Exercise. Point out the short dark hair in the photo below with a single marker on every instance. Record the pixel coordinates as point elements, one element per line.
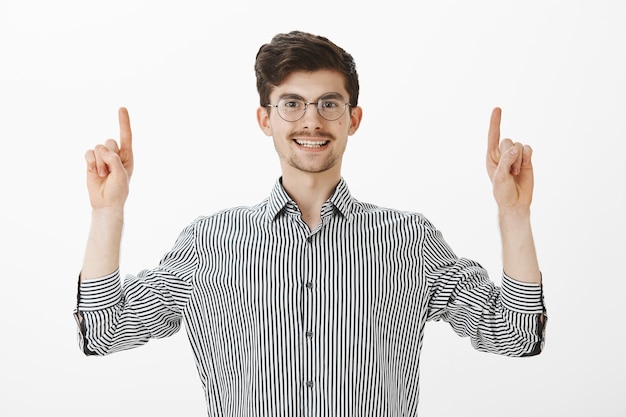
<point>300,51</point>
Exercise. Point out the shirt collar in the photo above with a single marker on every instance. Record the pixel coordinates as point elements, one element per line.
<point>340,200</point>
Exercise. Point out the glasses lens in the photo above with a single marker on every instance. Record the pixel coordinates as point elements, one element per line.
<point>331,108</point>
<point>291,109</point>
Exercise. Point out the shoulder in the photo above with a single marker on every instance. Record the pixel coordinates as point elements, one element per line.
<point>391,216</point>
<point>232,217</point>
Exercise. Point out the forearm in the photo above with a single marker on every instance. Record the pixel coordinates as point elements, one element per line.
<point>518,247</point>
<point>102,254</point>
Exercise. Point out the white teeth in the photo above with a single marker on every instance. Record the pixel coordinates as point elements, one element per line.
<point>310,143</point>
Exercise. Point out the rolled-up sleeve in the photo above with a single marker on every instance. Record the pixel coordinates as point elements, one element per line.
<point>508,319</point>
<point>112,317</point>
<point>524,305</point>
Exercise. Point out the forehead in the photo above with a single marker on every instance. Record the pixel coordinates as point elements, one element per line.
<point>311,85</point>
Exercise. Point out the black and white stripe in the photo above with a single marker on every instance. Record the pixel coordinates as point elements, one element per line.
<point>329,322</point>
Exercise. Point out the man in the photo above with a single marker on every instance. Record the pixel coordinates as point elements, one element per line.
<point>311,302</point>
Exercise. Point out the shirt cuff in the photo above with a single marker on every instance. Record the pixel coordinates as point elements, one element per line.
<point>100,293</point>
<point>522,297</point>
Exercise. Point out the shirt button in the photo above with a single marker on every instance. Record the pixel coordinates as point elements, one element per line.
<point>309,384</point>
<point>309,284</point>
<point>309,335</point>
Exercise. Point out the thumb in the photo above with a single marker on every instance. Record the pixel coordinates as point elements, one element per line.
<point>510,162</point>
<point>111,161</point>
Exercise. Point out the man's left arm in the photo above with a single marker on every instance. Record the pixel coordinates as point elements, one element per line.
<point>509,166</point>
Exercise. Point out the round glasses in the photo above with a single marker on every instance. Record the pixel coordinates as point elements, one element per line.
<point>292,109</point>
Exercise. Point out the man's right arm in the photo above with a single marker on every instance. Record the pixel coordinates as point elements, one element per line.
<point>102,253</point>
<point>109,169</point>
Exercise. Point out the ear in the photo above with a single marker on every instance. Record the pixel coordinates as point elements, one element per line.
<point>263,118</point>
<point>356,114</point>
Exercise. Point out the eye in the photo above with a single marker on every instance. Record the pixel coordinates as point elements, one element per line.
<point>291,104</point>
<point>330,104</point>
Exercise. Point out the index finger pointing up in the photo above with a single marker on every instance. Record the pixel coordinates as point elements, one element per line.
<point>126,136</point>
<point>493,137</point>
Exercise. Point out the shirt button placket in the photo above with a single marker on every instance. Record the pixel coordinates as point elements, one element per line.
<point>309,320</point>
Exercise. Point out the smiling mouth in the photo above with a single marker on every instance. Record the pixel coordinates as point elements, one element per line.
<point>311,143</point>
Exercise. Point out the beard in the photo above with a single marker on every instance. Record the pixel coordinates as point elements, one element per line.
<point>313,167</point>
<point>314,162</point>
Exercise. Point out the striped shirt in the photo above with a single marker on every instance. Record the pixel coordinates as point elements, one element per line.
<point>288,321</point>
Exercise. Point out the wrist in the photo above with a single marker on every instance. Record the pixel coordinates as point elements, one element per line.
<point>514,224</point>
<point>110,215</point>
<point>513,213</point>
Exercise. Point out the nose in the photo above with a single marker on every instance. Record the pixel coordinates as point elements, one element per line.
<point>311,114</point>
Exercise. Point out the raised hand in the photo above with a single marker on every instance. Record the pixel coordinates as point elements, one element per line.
<point>109,168</point>
<point>509,167</point>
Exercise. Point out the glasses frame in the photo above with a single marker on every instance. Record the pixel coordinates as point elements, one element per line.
<point>306,105</point>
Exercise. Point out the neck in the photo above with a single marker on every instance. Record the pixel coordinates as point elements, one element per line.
<point>310,191</point>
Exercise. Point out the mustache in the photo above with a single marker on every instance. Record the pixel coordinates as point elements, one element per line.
<point>308,134</point>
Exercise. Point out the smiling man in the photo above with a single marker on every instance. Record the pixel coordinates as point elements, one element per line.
<point>310,303</point>
<point>310,125</point>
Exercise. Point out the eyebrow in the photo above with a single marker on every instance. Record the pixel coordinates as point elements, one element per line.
<point>298,97</point>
